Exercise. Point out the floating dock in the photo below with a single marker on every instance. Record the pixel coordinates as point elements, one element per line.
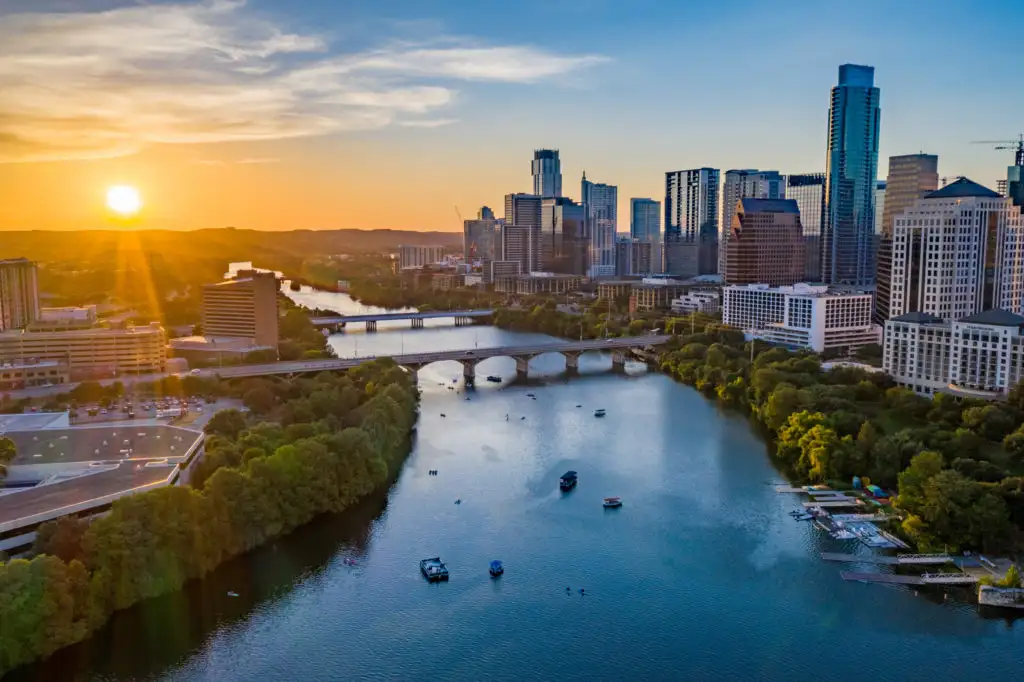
<point>831,505</point>
<point>898,560</point>
<point>926,579</point>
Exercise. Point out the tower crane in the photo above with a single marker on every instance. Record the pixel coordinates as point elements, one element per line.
<point>1017,146</point>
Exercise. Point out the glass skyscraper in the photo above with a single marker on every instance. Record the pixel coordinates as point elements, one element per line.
<point>851,171</point>
<point>547,173</point>
<point>601,204</point>
<point>645,225</point>
<point>808,190</point>
<point>691,222</point>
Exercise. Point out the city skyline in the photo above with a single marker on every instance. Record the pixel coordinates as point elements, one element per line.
<point>425,117</point>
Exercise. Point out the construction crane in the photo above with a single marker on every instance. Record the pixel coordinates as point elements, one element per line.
<point>1017,146</point>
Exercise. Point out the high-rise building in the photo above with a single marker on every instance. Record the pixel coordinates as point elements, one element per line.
<point>416,256</point>
<point>522,209</point>
<point>852,167</point>
<point>765,244</point>
<point>564,245</point>
<point>485,213</point>
<point>808,191</point>
<point>19,293</point>
<point>645,225</point>
<point>520,244</point>
<point>691,222</point>
<point>242,308</point>
<point>633,256</point>
<point>1015,184</point>
<point>880,186</point>
<point>1001,187</point>
<point>744,184</point>
<point>956,252</point>
<point>601,202</point>
<point>547,173</point>
<point>479,237</point>
<point>910,178</point>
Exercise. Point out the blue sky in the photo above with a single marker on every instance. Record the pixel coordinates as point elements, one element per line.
<point>466,90</point>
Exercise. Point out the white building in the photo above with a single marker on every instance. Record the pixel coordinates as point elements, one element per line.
<point>698,301</point>
<point>600,201</point>
<point>802,315</point>
<point>980,356</point>
<point>412,256</point>
<point>744,184</point>
<point>956,252</point>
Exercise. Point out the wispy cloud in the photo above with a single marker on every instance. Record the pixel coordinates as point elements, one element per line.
<point>98,84</point>
<point>244,162</point>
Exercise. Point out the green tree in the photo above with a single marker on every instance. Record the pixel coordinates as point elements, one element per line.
<point>260,400</point>
<point>226,423</point>
<point>8,451</point>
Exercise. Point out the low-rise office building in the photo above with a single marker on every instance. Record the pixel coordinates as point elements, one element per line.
<point>416,256</point>
<point>980,356</point>
<point>649,296</point>
<point>97,352</point>
<point>538,283</point>
<point>20,374</point>
<point>708,301</point>
<point>802,315</point>
<point>615,288</point>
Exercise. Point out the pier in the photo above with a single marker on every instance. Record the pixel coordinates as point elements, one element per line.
<point>926,579</point>
<point>898,560</point>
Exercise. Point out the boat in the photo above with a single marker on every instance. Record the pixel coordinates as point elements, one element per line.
<point>496,568</point>
<point>493,379</point>
<point>568,481</point>
<point>599,413</point>
<point>434,569</point>
<point>612,502</point>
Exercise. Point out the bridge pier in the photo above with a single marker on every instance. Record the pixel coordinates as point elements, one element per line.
<point>618,361</point>
<point>572,361</point>
<point>523,367</point>
<point>417,323</point>
<point>469,372</point>
<point>371,325</point>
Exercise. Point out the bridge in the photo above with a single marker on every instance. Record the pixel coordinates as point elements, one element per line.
<point>469,358</point>
<point>462,317</point>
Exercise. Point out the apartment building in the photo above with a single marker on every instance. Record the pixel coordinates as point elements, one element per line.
<point>19,293</point>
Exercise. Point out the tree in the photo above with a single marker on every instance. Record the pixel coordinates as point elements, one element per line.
<point>923,468</point>
<point>8,451</point>
<point>260,400</point>
<point>1014,444</point>
<point>991,422</point>
<point>62,538</point>
<point>226,423</point>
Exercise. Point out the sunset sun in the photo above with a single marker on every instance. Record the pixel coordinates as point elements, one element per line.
<point>124,200</point>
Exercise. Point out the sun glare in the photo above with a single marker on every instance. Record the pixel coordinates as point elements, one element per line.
<point>124,200</point>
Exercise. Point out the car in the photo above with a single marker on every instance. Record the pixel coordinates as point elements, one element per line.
<point>194,372</point>
<point>103,411</point>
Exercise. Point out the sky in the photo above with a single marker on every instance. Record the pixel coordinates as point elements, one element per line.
<point>330,114</point>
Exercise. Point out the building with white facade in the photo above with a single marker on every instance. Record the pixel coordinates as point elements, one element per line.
<point>802,315</point>
<point>546,169</point>
<point>707,301</point>
<point>600,202</point>
<point>956,252</point>
<point>744,184</point>
<point>980,356</point>
<point>413,256</point>
<point>691,222</point>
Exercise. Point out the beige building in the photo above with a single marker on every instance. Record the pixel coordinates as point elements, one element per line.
<point>95,352</point>
<point>19,293</point>
<point>243,308</point>
<point>24,374</point>
<point>649,297</point>
<point>537,283</point>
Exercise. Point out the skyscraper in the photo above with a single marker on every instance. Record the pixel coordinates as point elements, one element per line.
<point>851,170</point>
<point>633,256</point>
<point>19,293</point>
<point>547,173</point>
<point>910,178</point>
<point>1015,176</point>
<point>691,222</point>
<point>479,237</point>
<point>520,244</point>
<point>485,213</point>
<point>766,243</point>
<point>564,244</point>
<point>808,191</point>
<point>601,203</point>
<point>645,225</point>
<point>522,209</point>
<point>742,184</point>
<point>956,252</point>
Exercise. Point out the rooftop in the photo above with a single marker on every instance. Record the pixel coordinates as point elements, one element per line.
<point>918,318</point>
<point>963,188</point>
<point>770,206</point>
<point>995,317</point>
<point>33,421</point>
<point>92,443</point>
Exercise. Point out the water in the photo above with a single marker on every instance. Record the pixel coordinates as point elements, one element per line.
<point>701,574</point>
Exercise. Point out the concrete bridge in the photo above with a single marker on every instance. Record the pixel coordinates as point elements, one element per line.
<point>462,317</point>
<point>469,358</point>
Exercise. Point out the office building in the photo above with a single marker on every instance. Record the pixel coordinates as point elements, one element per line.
<point>808,191</point>
<point>502,268</point>
<point>521,244</point>
<point>765,244</point>
<point>852,167</point>
<point>957,252</point>
<point>564,243</point>
<point>1001,187</point>
<point>910,178</point>
<point>522,209</point>
<point>1015,184</point>
<point>19,293</point>
<point>601,203</point>
<point>538,283</point>
<point>97,352</point>
<point>707,301</point>
<point>479,238</point>
<point>415,256</point>
<point>243,308</point>
<point>691,222</point>
<point>645,225</point>
<point>547,173</point>
<point>802,316</point>
<point>744,184</point>
<point>21,374</point>
<point>633,257</point>
<point>485,213</point>
<point>978,356</point>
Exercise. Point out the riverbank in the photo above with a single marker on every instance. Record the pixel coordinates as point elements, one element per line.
<point>325,444</point>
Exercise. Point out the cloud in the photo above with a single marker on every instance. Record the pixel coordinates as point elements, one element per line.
<point>107,83</point>
<point>246,161</point>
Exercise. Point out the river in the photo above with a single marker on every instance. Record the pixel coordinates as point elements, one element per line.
<point>700,575</point>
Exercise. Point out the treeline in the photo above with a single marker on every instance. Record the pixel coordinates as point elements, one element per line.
<point>315,445</point>
<point>592,322</point>
<point>956,463</point>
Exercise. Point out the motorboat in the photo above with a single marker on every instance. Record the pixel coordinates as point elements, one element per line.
<point>434,569</point>
<point>568,481</point>
<point>612,502</point>
<point>493,379</point>
<point>496,568</point>
<point>599,413</point>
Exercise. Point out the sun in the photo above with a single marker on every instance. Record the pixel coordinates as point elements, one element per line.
<point>124,200</point>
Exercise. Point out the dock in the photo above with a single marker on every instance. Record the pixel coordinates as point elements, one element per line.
<point>898,560</point>
<point>831,505</point>
<point>926,579</point>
